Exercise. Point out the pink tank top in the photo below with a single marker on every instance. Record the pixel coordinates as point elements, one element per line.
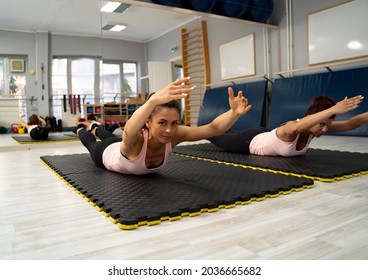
<point>268,144</point>
<point>113,159</point>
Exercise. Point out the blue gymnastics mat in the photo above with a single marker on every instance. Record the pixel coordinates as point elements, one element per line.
<point>216,102</point>
<point>292,96</point>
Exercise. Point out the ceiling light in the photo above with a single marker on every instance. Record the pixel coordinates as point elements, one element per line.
<point>115,7</point>
<point>118,28</point>
<point>109,7</point>
<point>355,45</point>
<point>114,27</point>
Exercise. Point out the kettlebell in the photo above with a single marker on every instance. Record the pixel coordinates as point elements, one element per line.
<point>14,128</point>
<point>20,129</point>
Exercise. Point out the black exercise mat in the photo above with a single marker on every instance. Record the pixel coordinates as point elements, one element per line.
<point>71,134</point>
<point>317,164</point>
<point>26,139</point>
<point>186,187</point>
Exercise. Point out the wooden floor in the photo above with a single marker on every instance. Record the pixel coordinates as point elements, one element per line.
<point>42,218</point>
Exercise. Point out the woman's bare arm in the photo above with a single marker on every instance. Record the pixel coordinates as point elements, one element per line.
<point>238,107</point>
<point>290,130</point>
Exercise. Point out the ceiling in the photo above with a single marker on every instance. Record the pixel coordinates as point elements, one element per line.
<point>145,21</point>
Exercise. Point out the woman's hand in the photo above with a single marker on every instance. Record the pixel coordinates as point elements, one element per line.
<point>175,90</point>
<point>238,104</point>
<point>348,104</point>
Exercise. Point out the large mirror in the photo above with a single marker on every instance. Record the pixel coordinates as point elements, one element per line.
<point>154,31</point>
<point>53,35</point>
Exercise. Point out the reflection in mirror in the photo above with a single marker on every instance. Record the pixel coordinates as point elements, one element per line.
<point>75,63</point>
<point>119,70</point>
<point>123,54</point>
<point>153,34</point>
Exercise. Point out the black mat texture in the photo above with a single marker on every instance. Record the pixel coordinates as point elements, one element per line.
<point>317,164</point>
<point>26,139</point>
<point>186,187</point>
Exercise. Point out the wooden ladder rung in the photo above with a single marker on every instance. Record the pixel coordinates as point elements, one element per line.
<point>195,65</point>
<point>194,29</point>
<point>192,111</point>
<point>195,57</point>
<point>196,99</point>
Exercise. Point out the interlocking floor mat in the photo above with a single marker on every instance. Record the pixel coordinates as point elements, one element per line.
<point>187,187</point>
<point>317,164</point>
<point>26,139</point>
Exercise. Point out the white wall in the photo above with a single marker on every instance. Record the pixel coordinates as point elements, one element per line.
<point>159,49</point>
<point>218,32</point>
<point>281,51</point>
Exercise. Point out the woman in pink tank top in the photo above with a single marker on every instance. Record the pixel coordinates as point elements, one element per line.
<point>145,150</point>
<point>293,138</point>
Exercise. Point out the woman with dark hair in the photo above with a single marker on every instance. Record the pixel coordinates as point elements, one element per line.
<point>36,126</point>
<point>154,130</point>
<point>293,138</point>
<point>93,122</point>
<point>91,119</point>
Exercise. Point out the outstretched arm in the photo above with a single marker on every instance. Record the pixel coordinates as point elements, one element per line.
<point>132,134</point>
<point>21,122</point>
<point>353,123</point>
<point>238,107</point>
<point>291,129</point>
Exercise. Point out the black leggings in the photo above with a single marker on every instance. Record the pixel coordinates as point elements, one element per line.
<point>96,148</point>
<point>237,141</point>
<point>39,133</point>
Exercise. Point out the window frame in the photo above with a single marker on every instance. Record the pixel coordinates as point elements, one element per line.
<point>98,96</point>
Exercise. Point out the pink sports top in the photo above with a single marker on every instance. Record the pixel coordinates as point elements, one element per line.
<point>268,144</point>
<point>113,159</point>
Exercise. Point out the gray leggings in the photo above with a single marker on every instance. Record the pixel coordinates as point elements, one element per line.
<point>237,141</point>
<point>96,148</point>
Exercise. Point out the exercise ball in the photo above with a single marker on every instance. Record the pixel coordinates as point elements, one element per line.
<point>232,8</point>
<point>200,5</point>
<point>174,3</point>
<point>259,10</point>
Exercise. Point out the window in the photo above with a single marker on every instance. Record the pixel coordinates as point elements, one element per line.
<point>95,81</point>
<point>59,85</point>
<point>130,79</point>
<point>112,73</point>
<point>59,77</point>
<point>110,82</point>
<point>83,76</point>
<point>2,75</point>
<point>17,85</point>
<point>11,83</point>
